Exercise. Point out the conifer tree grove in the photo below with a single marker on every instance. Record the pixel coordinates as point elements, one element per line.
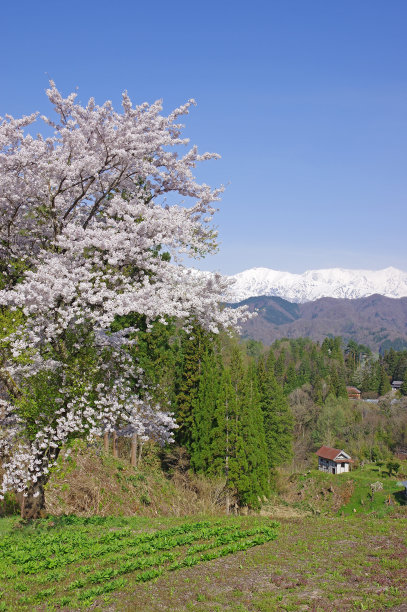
<point>237,439</point>
<point>204,406</point>
<point>194,345</point>
<point>252,431</point>
<point>278,420</point>
<point>223,435</point>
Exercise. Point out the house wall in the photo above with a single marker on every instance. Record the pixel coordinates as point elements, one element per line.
<point>326,465</point>
<point>341,469</point>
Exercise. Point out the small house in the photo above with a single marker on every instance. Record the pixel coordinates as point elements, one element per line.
<point>333,460</point>
<point>396,385</point>
<point>353,393</point>
<point>401,453</point>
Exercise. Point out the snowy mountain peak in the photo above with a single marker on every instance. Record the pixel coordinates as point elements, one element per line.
<point>314,284</point>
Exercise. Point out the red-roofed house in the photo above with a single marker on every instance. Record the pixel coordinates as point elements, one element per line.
<point>353,393</point>
<point>333,460</point>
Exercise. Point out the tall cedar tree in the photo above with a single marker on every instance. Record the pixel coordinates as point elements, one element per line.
<point>277,416</point>
<point>256,484</point>
<point>384,384</point>
<point>251,477</point>
<point>238,449</point>
<point>156,353</point>
<point>239,476</point>
<point>193,348</point>
<point>223,434</point>
<point>204,407</point>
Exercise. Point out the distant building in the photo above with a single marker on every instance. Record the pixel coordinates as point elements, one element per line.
<point>353,393</point>
<point>333,460</point>
<point>401,453</point>
<point>396,385</point>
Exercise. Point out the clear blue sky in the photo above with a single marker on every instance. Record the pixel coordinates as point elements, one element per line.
<point>304,99</point>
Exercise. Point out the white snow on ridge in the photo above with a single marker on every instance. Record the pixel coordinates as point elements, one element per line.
<point>314,284</point>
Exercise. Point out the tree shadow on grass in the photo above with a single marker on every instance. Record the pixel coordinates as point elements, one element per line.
<point>400,498</point>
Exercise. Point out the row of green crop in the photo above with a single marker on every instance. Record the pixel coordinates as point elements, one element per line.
<point>113,555</point>
<point>29,559</point>
<point>41,546</point>
<point>132,545</point>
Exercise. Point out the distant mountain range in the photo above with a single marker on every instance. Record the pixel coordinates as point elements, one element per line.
<point>376,321</point>
<point>315,284</point>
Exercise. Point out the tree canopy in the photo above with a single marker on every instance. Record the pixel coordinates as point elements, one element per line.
<point>86,236</point>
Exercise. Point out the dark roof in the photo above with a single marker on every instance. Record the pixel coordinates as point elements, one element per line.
<point>326,452</point>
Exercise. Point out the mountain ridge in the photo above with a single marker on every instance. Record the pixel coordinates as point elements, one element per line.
<point>315,284</point>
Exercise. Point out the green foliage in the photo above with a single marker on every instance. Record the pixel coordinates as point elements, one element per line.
<point>194,346</point>
<point>236,443</point>
<point>203,411</point>
<point>40,393</point>
<point>393,467</point>
<point>277,417</point>
<point>331,422</point>
<point>156,352</point>
<point>384,382</point>
<point>54,553</point>
<point>255,483</point>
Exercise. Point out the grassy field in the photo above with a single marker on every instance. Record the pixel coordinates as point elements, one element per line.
<point>337,545</point>
<point>240,563</point>
<point>322,493</point>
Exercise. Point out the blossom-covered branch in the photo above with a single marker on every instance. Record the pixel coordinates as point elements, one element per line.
<point>86,235</point>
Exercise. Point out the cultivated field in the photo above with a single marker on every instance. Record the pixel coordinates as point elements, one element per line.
<point>241,563</point>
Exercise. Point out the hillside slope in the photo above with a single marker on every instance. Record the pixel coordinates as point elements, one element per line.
<point>376,321</point>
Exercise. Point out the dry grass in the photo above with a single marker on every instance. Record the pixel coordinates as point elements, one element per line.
<point>92,483</point>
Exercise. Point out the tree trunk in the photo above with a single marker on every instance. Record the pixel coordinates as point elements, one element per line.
<point>106,442</point>
<point>33,502</point>
<point>227,461</point>
<point>227,501</point>
<point>115,453</point>
<point>133,457</point>
<point>140,450</point>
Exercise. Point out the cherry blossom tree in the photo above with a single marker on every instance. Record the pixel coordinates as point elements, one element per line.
<point>89,231</point>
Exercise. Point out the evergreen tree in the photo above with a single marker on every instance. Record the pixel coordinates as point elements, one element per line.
<point>223,435</point>
<point>255,484</point>
<point>204,407</point>
<point>384,384</point>
<point>193,348</point>
<point>370,379</point>
<point>304,371</point>
<point>279,368</point>
<point>155,353</point>
<point>391,360</point>
<point>238,447</point>
<point>270,360</point>
<point>237,371</point>
<point>278,420</point>
<point>291,379</point>
<point>337,382</point>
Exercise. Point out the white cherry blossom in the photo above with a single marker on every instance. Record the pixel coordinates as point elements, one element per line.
<point>84,224</point>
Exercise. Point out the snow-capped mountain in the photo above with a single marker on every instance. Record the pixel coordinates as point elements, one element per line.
<point>314,284</point>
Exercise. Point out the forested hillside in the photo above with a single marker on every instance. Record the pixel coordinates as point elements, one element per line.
<point>244,409</point>
<point>377,321</point>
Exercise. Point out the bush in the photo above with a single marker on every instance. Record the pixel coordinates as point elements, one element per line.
<point>393,467</point>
